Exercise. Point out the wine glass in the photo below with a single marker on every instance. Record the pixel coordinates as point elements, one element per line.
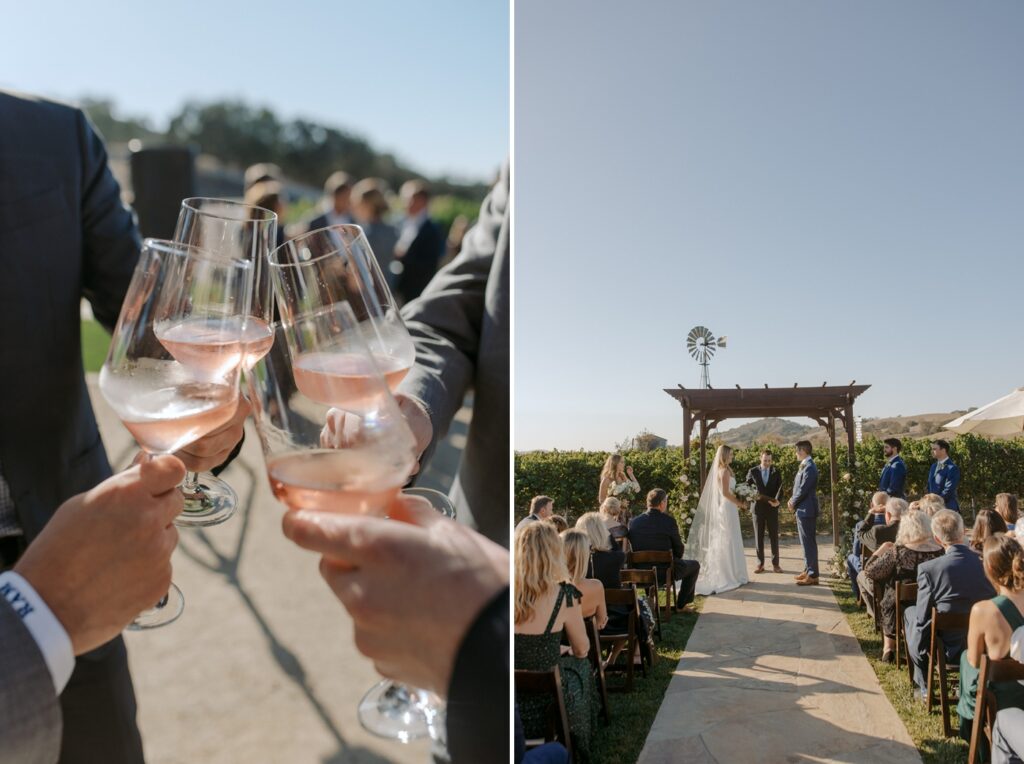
<point>232,231</point>
<point>167,390</point>
<point>358,469</point>
<point>320,269</point>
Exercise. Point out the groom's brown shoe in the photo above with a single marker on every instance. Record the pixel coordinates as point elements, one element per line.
<point>777,569</point>
<point>759,569</point>
<point>809,581</point>
<point>801,577</point>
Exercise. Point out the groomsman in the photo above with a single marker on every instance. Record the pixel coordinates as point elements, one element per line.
<point>894,474</point>
<point>805,505</point>
<point>768,482</point>
<point>944,476</point>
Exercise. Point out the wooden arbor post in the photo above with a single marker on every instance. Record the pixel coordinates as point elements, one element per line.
<point>703,450</point>
<point>833,470</point>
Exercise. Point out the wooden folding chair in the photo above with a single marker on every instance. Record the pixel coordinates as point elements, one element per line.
<point>985,706</point>
<point>647,580</point>
<point>651,559</point>
<point>547,684</point>
<point>864,555</point>
<point>597,666</point>
<point>906,595</point>
<point>879,592</point>
<point>622,644</point>
<point>937,663</point>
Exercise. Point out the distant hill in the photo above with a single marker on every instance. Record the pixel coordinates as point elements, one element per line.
<point>786,432</point>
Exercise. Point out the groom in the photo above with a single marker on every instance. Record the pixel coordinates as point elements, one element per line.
<point>805,504</point>
<point>768,482</point>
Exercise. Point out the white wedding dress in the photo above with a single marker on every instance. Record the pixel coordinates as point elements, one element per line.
<point>715,539</point>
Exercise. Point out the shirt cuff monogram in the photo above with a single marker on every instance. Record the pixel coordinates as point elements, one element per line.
<point>42,624</point>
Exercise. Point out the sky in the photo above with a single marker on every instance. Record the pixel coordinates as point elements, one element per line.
<point>838,187</point>
<point>426,81</point>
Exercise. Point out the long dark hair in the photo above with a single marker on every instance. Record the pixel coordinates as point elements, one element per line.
<point>987,524</point>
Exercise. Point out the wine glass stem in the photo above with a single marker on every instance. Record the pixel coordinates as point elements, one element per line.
<point>191,484</point>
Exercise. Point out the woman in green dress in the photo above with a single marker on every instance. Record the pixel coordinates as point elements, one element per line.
<point>992,625</point>
<point>545,605</point>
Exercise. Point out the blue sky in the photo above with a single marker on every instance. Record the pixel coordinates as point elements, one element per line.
<point>428,81</point>
<point>838,187</point>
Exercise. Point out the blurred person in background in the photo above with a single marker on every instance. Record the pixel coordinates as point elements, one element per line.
<point>337,202</point>
<point>269,194</point>
<point>420,242</point>
<point>370,205</point>
<point>260,173</point>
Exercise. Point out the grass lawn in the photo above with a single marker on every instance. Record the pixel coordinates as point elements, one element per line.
<point>924,728</point>
<point>94,345</point>
<point>633,713</point>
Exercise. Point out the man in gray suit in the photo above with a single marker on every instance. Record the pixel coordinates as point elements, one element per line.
<point>103,558</point>
<point>460,325</point>
<point>65,234</point>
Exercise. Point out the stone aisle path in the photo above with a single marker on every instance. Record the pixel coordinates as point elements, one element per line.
<point>772,673</point>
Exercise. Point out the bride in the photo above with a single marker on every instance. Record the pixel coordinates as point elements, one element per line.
<point>715,539</point>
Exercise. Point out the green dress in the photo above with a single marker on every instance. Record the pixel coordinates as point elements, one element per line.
<point>1008,694</point>
<point>539,652</point>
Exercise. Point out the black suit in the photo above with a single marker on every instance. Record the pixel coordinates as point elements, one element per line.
<point>654,531</point>
<point>419,263</point>
<point>64,235</point>
<point>765,515</point>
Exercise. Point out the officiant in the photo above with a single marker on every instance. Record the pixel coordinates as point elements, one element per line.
<point>768,482</point>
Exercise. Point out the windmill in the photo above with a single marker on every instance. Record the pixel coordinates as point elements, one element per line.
<point>702,344</point>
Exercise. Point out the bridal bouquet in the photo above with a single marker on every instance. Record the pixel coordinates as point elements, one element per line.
<point>746,492</point>
<point>624,490</point>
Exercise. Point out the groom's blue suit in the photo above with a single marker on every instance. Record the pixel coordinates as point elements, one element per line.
<point>805,505</point>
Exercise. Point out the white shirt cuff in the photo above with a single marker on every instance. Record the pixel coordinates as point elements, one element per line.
<point>42,624</point>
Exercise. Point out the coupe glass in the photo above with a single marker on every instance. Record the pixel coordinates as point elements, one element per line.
<point>323,268</point>
<point>163,377</point>
<point>346,450</point>
<point>231,231</point>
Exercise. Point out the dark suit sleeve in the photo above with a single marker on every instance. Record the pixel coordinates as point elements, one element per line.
<point>949,485</point>
<point>446,320</point>
<point>899,478</point>
<point>674,537</point>
<point>478,710</point>
<point>30,716</point>
<point>110,239</point>
<point>923,616</point>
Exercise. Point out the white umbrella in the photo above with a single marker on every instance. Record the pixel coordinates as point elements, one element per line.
<point>1001,418</point>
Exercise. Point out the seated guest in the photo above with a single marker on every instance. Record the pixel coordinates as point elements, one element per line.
<point>994,623</point>
<point>657,531</point>
<point>951,583</point>
<point>898,561</point>
<point>931,503</point>
<point>611,512</point>
<point>875,516</point>
<point>577,560</point>
<point>557,522</point>
<point>1006,506</point>
<point>541,508</point>
<point>987,524</point>
<point>545,605</point>
<point>606,560</point>
<point>871,537</point>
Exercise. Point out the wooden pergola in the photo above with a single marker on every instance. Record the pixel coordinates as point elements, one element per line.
<point>826,405</point>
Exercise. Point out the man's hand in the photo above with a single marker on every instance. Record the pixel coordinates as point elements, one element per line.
<point>774,502</point>
<point>790,504</point>
<point>213,450</point>
<point>419,422</point>
<point>447,570</point>
<point>106,554</point>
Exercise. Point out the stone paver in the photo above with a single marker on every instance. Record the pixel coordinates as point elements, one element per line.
<point>261,665</point>
<point>772,673</point>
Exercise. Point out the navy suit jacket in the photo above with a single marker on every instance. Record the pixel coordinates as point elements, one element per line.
<point>419,263</point>
<point>65,234</point>
<point>952,583</point>
<point>894,478</point>
<point>655,531</point>
<point>805,491</point>
<point>945,483</point>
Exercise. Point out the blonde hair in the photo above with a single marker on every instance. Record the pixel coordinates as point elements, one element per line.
<point>614,467</point>
<point>932,503</point>
<point>610,509</point>
<point>915,527</point>
<point>597,532</point>
<point>723,452</point>
<point>577,552</point>
<point>540,564</point>
<point>879,498</point>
